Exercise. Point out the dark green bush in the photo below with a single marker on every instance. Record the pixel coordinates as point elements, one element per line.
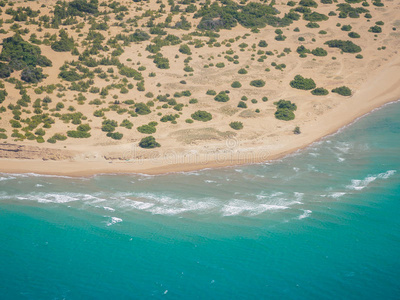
<point>64,44</point>
<point>109,125</point>
<point>315,17</point>
<point>211,92</point>
<point>78,134</point>
<point>236,125</point>
<point>184,49</point>
<point>257,83</point>
<point>168,118</point>
<point>319,52</point>
<point>375,29</point>
<point>302,83</point>
<point>354,35</point>
<point>127,124</point>
<point>202,115</point>
<point>32,74</point>
<point>242,104</point>
<point>236,84</point>
<point>146,129</point>
<point>320,92</point>
<point>343,90</point>
<point>142,109</point>
<point>3,95</point>
<point>346,27</point>
<point>284,114</point>
<point>221,97</point>
<point>148,143</point>
<point>115,135</point>
<point>345,46</point>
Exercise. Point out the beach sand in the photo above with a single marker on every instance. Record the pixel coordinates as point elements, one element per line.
<point>374,80</point>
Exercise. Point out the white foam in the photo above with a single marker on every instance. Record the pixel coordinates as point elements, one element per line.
<point>236,207</point>
<point>343,147</point>
<point>387,174</point>
<point>306,213</point>
<point>337,195</point>
<point>108,208</point>
<point>113,220</point>
<point>357,184</point>
<point>6,178</point>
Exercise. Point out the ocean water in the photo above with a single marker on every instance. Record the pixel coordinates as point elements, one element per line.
<point>320,224</point>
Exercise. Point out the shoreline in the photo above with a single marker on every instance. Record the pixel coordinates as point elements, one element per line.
<point>74,169</point>
<point>380,90</point>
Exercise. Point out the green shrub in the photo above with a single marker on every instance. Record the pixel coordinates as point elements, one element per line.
<point>257,83</point>
<point>284,104</point>
<point>202,115</point>
<point>15,124</point>
<point>346,28</point>
<point>221,97</point>
<point>236,84</point>
<point>193,101</point>
<point>211,92</point>
<point>302,83</point>
<point>142,109</point>
<point>98,113</point>
<point>32,74</point>
<point>297,130</point>
<point>64,44</point>
<point>146,129</point>
<point>375,29</point>
<point>312,25</point>
<point>109,125</point>
<point>319,52</point>
<point>354,35</point>
<point>78,134</point>
<point>262,44</point>
<point>236,125</point>
<point>343,90</point>
<point>320,92</point>
<point>127,124</point>
<point>315,17</point>
<point>284,114</point>
<point>3,95</point>
<point>242,104</point>
<point>345,46</point>
<point>19,55</point>
<point>148,143</point>
<point>168,118</point>
<point>184,49</point>
<point>115,135</point>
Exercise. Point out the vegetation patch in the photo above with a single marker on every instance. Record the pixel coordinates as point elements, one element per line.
<point>302,83</point>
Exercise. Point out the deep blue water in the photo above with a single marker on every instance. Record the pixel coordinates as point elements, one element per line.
<point>321,224</point>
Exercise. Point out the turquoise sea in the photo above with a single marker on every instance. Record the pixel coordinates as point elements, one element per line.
<point>323,223</point>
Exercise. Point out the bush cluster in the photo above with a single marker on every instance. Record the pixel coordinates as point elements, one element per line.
<point>285,110</point>
<point>148,143</point>
<point>201,115</point>
<point>302,83</point>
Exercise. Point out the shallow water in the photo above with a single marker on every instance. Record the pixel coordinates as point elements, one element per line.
<point>322,223</point>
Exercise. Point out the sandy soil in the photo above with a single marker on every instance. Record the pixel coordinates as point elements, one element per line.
<point>374,80</point>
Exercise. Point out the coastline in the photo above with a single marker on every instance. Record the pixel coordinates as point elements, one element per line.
<point>379,90</point>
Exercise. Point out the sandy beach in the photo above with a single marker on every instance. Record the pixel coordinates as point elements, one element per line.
<point>374,81</point>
